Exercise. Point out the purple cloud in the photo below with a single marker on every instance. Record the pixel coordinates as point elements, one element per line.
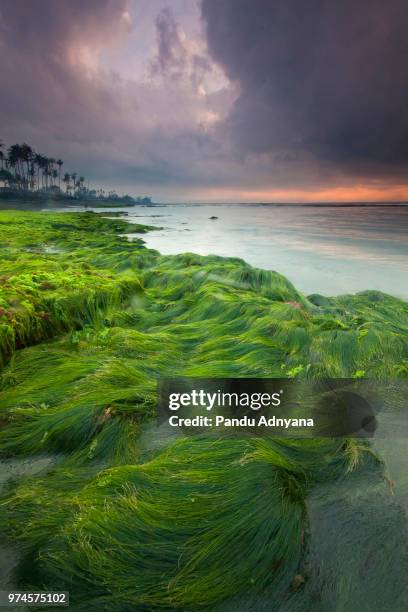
<point>244,97</point>
<point>320,78</point>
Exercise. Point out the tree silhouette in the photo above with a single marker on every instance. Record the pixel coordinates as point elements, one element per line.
<point>26,170</point>
<point>66,179</point>
<point>60,163</point>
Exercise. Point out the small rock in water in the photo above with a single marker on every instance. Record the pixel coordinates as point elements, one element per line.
<point>297,581</point>
<point>213,217</point>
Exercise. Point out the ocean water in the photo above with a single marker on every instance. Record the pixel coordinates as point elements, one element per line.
<point>330,250</point>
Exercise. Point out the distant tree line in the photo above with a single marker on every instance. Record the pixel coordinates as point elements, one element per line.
<point>24,170</point>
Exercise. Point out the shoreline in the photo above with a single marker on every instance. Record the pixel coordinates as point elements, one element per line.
<point>118,228</point>
<point>89,322</point>
<point>314,248</point>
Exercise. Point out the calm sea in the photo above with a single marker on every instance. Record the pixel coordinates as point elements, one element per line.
<point>329,250</point>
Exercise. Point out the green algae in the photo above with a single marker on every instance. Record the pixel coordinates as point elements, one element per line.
<point>47,284</point>
<point>102,318</point>
<point>178,523</point>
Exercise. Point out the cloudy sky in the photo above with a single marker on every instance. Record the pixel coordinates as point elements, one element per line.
<point>213,100</point>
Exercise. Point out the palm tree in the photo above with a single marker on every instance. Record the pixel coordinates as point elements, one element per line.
<point>59,163</point>
<point>14,161</point>
<point>38,160</point>
<point>26,155</point>
<point>23,168</point>
<point>51,163</point>
<point>32,175</point>
<point>73,176</point>
<point>66,179</point>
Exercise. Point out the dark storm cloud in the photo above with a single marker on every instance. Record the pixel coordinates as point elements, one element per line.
<point>329,79</point>
<point>125,92</point>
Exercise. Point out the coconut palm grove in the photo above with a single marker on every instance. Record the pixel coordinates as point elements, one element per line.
<point>26,173</point>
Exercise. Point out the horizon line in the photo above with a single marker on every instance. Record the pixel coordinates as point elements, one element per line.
<point>402,203</point>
